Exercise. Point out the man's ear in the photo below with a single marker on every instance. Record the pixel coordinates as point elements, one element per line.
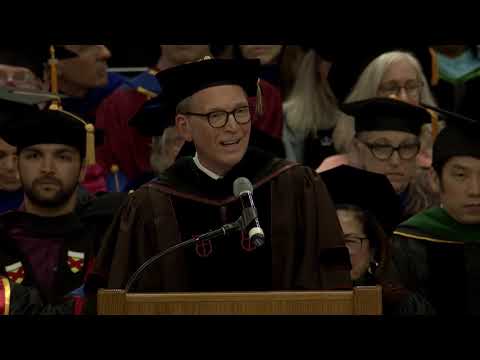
<point>183,126</point>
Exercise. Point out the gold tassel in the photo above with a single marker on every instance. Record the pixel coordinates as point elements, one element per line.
<point>53,74</point>
<point>148,94</point>
<point>259,107</point>
<point>435,72</point>
<point>90,134</point>
<point>90,148</point>
<point>115,169</point>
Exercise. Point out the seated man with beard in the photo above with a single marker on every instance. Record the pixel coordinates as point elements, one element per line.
<point>48,246</point>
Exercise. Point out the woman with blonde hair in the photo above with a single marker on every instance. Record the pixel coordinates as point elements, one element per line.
<point>310,113</point>
<point>398,74</point>
<point>391,74</point>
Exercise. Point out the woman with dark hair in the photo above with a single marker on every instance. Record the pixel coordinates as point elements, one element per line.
<point>367,243</point>
<point>368,210</point>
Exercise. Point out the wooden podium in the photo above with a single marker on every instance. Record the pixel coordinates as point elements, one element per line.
<point>358,301</point>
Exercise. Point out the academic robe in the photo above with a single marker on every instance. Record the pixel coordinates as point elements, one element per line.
<point>304,246</point>
<point>439,258</point>
<point>46,259</point>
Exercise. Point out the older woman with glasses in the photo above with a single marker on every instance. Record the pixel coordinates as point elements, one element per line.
<point>368,210</point>
<point>372,73</point>
<point>387,142</point>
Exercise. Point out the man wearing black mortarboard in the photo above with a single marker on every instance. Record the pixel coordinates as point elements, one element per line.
<point>134,168</point>
<point>437,252</point>
<point>387,142</point>
<point>133,103</point>
<point>304,247</point>
<point>49,245</point>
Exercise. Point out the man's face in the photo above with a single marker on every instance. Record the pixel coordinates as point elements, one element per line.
<point>181,54</point>
<point>460,189</point>
<point>9,180</point>
<point>19,77</point>
<point>88,70</point>
<point>50,174</point>
<point>399,171</point>
<point>219,149</point>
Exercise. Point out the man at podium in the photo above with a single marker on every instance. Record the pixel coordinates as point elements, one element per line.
<point>303,247</point>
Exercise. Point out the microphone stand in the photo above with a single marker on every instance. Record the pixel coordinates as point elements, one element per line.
<point>223,231</point>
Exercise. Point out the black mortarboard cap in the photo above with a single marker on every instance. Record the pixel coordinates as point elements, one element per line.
<point>349,65</point>
<point>47,127</point>
<point>154,117</point>
<point>379,114</point>
<point>366,190</point>
<point>461,137</point>
<point>181,82</point>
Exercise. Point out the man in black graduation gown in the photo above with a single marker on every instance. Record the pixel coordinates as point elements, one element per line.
<point>437,252</point>
<point>304,246</point>
<point>48,247</point>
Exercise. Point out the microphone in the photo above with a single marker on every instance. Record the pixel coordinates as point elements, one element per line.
<point>243,189</point>
<point>223,231</point>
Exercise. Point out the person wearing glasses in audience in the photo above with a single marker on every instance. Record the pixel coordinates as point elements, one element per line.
<point>304,246</point>
<point>369,210</point>
<point>405,73</point>
<point>387,142</point>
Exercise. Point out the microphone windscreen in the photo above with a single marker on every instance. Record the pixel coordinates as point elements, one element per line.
<point>242,185</point>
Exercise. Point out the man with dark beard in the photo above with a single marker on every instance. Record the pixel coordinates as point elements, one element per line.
<point>48,247</point>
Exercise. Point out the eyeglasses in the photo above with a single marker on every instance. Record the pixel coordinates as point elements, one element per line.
<point>385,151</point>
<point>219,119</point>
<point>413,88</point>
<point>354,243</point>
